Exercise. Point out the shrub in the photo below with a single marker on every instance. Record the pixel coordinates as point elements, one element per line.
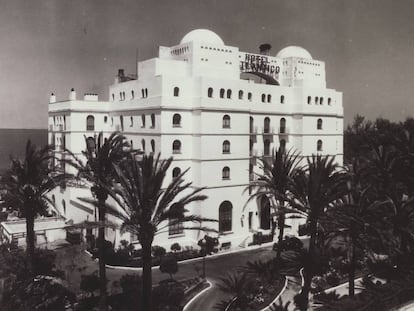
<point>158,251</point>
<point>169,265</point>
<point>211,244</point>
<point>90,283</point>
<point>170,295</point>
<point>131,285</point>
<point>175,247</point>
<point>289,244</point>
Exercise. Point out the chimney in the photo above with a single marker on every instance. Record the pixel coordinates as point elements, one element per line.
<point>265,49</point>
<point>52,98</point>
<point>72,95</point>
<point>121,73</point>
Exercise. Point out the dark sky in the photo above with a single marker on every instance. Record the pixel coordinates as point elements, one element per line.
<point>54,45</point>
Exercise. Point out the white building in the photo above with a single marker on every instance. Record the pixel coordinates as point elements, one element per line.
<point>215,109</point>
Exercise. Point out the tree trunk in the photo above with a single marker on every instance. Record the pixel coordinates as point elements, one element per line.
<point>309,267</point>
<point>146,275</point>
<point>281,224</point>
<point>352,266</point>
<point>30,241</point>
<point>102,267</point>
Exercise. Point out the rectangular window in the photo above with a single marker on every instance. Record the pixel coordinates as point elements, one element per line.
<point>174,228</point>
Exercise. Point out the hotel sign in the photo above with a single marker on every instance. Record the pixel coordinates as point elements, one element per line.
<point>256,63</point>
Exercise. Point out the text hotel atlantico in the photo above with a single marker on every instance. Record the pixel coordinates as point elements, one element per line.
<point>216,110</point>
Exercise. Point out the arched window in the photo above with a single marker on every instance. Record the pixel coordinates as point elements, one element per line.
<point>131,144</point>
<point>226,121</point>
<point>152,120</point>
<point>225,173</point>
<point>131,118</point>
<point>263,98</point>
<point>143,144</point>
<point>90,144</point>
<point>222,91</point>
<point>329,101</point>
<point>152,145</point>
<point>282,129</point>
<point>282,144</point>
<point>228,93</point>
<point>113,96</point>
<point>226,146</point>
<point>282,99</point>
<point>266,127</point>
<point>225,216</point>
<point>120,95</point>
<point>321,101</point>
<point>176,171</point>
<point>121,118</point>
<point>146,92</point>
<point>143,120</point>
<point>174,226</point>
<point>210,92</point>
<point>249,96</point>
<point>319,124</point>
<point>90,123</point>
<point>319,145</point>
<point>176,91</point>
<point>269,98</point>
<point>240,94</point>
<point>309,100</point>
<point>251,126</point>
<point>64,207</point>
<point>176,120</point>
<point>132,94</point>
<point>105,119</point>
<point>266,149</point>
<point>316,100</point>
<point>176,146</point>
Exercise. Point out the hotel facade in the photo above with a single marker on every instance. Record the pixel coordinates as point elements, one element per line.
<point>216,110</point>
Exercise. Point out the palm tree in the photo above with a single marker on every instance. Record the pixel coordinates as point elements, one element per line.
<point>312,191</point>
<point>351,218</point>
<point>236,284</point>
<point>273,184</point>
<point>99,173</point>
<point>148,203</point>
<point>27,184</point>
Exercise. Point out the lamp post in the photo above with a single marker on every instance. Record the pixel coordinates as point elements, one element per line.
<point>203,247</point>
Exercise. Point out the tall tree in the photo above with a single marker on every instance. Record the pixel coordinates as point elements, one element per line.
<point>273,184</point>
<point>101,155</point>
<point>27,184</point>
<point>313,190</point>
<point>151,204</point>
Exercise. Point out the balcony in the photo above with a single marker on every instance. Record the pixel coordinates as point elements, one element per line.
<point>283,130</point>
<point>253,130</point>
<point>267,130</point>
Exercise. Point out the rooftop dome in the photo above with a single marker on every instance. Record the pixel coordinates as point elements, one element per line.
<point>294,51</point>
<point>202,36</point>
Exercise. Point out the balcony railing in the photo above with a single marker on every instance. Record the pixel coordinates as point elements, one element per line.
<point>283,130</point>
<point>267,130</point>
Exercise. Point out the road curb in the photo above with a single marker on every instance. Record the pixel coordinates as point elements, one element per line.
<point>210,285</point>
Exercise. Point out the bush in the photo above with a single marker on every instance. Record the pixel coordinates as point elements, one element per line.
<point>260,238</point>
<point>175,247</point>
<point>289,244</point>
<point>169,265</point>
<point>211,244</point>
<point>170,295</point>
<point>42,293</point>
<point>158,251</point>
<point>90,283</point>
<point>131,285</point>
